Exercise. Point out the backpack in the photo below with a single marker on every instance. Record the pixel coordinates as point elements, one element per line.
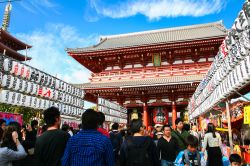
<point>187,157</point>
<point>137,155</point>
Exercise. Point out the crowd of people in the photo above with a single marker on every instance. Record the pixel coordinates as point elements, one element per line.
<point>92,145</point>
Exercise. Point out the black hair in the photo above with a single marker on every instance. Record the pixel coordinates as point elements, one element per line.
<point>101,118</point>
<point>71,128</point>
<point>1,130</point>
<point>33,123</point>
<point>235,158</point>
<point>166,125</point>
<point>50,115</point>
<point>24,126</point>
<point>178,120</point>
<point>2,121</point>
<point>90,119</point>
<point>16,125</point>
<point>211,129</point>
<point>7,138</point>
<point>186,127</point>
<point>135,125</point>
<point>115,126</point>
<point>65,127</point>
<point>192,141</point>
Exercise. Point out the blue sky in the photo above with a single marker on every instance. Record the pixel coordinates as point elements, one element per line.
<point>50,26</point>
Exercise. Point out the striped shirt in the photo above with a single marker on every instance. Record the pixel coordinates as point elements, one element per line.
<point>88,148</point>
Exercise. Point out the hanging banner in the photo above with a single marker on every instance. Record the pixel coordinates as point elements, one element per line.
<point>9,117</point>
<point>247,115</point>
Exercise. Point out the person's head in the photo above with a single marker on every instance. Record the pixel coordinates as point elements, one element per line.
<point>90,119</point>
<point>101,118</point>
<point>158,127</point>
<point>192,143</point>
<point>65,127</point>
<point>115,126</point>
<point>167,130</point>
<point>7,138</point>
<point>52,117</point>
<point>71,129</point>
<point>179,123</point>
<point>235,160</point>
<point>2,123</point>
<point>136,126</point>
<point>186,127</point>
<point>24,126</point>
<point>211,129</point>
<point>194,128</point>
<point>34,124</point>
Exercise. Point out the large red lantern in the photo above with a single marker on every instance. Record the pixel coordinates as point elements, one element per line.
<point>160,115</point>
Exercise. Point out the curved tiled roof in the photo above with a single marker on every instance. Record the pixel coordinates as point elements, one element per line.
<point>161,36</point>
<point>143,82</point>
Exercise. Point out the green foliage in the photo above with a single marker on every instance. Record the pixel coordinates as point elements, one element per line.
<point>28,113</point>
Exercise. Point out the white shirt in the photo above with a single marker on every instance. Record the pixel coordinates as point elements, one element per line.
<point>212,142</point>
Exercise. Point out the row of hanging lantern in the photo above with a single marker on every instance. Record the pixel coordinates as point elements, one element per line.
<point>27,86</point>
<point>113,112</point>
<point>19,99</point>
<point>230,69</point>
<point>31,74</point>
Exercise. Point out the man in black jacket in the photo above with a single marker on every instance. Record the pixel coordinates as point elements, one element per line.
<point>167,147</point>
<point>138,149</point>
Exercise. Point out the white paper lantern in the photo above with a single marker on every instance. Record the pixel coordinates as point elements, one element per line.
<point>64,86</point>
<point>23,100</point>
<point>39,76</point>
<point>28,73</point>
<point>11,83</point>
<point>28,101</point>
<point>41,104</point>
<point>1,62</point>
<point>24,86</point>
<point>29,88</point>
<point>12,97</point>
<point>53,82</point>
<point>18,99</point>
<point>57,84</point>
<point>7,65</point>
<point>4,95</point>
<point>18,85</point>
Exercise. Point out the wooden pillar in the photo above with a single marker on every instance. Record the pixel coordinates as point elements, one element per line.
<point>200,122</point>
<point>145,115</point>
<point>229,127</point>
<point>174,114</point>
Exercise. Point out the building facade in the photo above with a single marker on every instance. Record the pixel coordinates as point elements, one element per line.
<point>151,73</point>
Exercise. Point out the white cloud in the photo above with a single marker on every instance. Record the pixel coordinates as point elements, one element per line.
<point>155,9</point>
<point>39,6</point>
<point>48,51</point>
